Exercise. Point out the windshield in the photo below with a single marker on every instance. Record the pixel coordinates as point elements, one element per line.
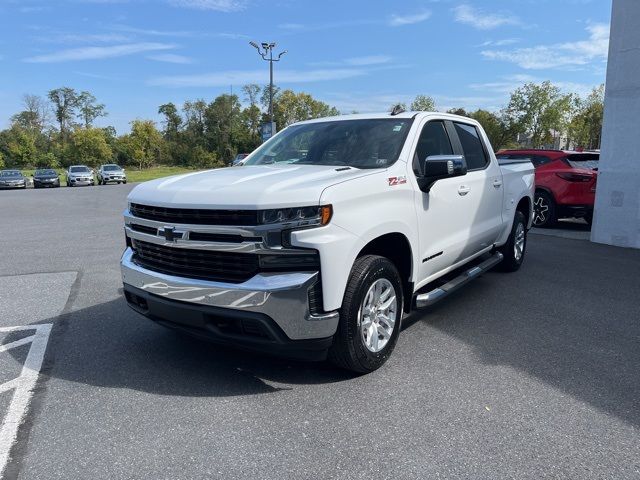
<point>369,143</point>
<point>111,168</point>
<point>45,172</point>
<point>10,173</point>
<point>79,170</point>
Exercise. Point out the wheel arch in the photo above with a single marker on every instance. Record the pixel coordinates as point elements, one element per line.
<point>396,247</point>
<point>525,205</point>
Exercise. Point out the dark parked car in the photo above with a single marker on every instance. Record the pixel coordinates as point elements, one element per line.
<point>12,179</point>
<point>46,177</point>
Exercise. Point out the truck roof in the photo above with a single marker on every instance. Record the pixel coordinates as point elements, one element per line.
<point>370,116</point>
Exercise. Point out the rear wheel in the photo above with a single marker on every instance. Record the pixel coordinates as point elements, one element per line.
<point>515,248</point>
<point>370,316</point>
<point>544,210</point>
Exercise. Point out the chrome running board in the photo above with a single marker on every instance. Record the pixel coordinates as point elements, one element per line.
<point>427,299</point>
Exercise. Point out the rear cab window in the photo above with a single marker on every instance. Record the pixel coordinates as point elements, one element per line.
<point>475,153</point>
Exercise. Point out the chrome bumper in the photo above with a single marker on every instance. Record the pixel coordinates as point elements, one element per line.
<point>281,296</point>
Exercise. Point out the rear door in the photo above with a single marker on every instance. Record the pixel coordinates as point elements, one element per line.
<point>481,189</point>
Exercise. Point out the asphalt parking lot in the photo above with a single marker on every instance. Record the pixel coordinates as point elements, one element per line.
<point>526,375</point>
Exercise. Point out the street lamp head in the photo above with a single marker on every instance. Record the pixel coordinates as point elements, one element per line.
<point>254,45</point>
<point>282,53</point>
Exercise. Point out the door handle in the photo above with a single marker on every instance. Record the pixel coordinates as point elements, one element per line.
<point>497,183</point>
<point>463,190</point>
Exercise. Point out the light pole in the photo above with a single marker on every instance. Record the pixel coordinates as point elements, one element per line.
<point>266,52</point>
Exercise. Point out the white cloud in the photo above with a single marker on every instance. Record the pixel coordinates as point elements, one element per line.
<point>482,20</point>
<point>499,43</point>
<point>509,83</point>
<point>85,38</point>
<point>241,77</point>
<point>561,55</point>
<point>400,20</point>
<point>95,53</point>
<point>217,5</point>
<point>368,60</point>
<point>170,58</point>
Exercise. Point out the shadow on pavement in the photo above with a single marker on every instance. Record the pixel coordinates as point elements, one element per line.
<point>570,318</point>
<point>109,345</point>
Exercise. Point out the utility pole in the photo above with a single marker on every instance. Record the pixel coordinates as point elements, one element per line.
<point>265,50</point>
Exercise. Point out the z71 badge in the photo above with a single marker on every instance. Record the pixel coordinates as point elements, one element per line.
<point>397,181</point>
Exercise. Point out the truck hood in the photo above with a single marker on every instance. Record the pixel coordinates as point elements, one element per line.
<point>253,187</point>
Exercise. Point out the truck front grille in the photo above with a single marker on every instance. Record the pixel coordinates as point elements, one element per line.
<point>201,264</point>
<point>194,216</point>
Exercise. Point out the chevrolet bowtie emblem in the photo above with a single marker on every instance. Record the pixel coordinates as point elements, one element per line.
<point>170,234</point>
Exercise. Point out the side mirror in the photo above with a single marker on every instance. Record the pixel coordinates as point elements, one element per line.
<point>438,167</point>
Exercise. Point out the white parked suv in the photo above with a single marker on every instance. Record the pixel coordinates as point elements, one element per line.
<point>330,232</point>
<point>111,173</point>
<point>79,175</point>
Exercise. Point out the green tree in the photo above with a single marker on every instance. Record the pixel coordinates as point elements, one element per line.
<point>496,126</point>
<point>538,110</point>
<point>144,144</point>
<point>172,121</point>
<point>89,145</point>
<point>223,126</point>
<point>47,160</point>
<point>65,103</point>
<point>458,111</point>
<point>89,109</point>
<point>20,147</point>
<point>251,93</point>
<point>2,164</point>
<point>585,127</point>
<point>423,103</point>
<point>291,107</point>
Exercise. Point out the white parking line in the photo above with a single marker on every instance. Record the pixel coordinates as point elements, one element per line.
<point>24,385</point>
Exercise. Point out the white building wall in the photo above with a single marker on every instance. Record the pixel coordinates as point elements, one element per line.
<point>617,208</point>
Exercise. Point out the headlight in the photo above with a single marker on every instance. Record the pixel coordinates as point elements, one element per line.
<point>301,216</point>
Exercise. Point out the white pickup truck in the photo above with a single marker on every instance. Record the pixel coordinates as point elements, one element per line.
<point>327,235</point>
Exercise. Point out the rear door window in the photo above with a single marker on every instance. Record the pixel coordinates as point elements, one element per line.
<point>474,152</point>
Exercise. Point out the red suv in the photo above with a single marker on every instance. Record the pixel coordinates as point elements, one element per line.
<point>565,183</point>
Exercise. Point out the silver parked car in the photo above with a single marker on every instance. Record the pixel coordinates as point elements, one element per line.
<point>79,175</point>
<point>12,179</point>
<point>111,173</point>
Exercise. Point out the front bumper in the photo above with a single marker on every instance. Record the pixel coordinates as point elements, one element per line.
<point>280,299</point>
<point>75,181</point>
<point>46,183</point>
<point>13,185</point>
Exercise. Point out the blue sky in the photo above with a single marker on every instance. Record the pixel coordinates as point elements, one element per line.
<point>359,55</point>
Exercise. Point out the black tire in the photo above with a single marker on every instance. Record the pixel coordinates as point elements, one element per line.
<point>544,210</point>
<point>349,350</point>
<point>124,181</point>
<point>512,261</point>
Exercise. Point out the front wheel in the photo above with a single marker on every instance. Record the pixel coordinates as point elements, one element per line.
<point>516,245</point>
<point>370,316</point>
